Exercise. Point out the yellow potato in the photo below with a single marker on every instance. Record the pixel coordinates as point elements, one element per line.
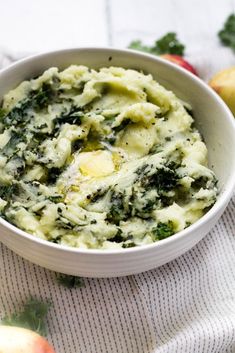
<point>224,84</point>
<point>20,340</point>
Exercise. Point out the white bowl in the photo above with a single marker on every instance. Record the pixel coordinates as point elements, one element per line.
<point>213,119</point>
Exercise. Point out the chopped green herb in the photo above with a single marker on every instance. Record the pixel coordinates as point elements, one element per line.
<point>32,316</point>
<point>163,230</point>
<point>69,281</point>
<point>22,112</point>
<point>118,237</point>
<point>18,115</point>
<point>2,113</point>
<point>200,182</point>
<point>227,34</point>
<point>122,126</point>
<point>16,165</point>
<point>164,179</point>
<point>149,206</point>
<point>168,44</point>
<point>12,145</point>
<point>56,198</point>
<point>116,213</point>
<point>53,174</point>
<point>7,191</point>
<point>138,45</point>
<point>42,97</point>
<point>73,117</point>
<point>76,145</point>
<point>128,245</point>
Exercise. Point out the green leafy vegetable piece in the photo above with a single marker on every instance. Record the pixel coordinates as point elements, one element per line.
<point>42,97</point>
<point>19,114</point>
<point>56,198</point>
<point>128,245</point>
<point>22,112</point>
<point>53,174</point>
<point>165,179</point>
<point>163,230</point>
<point>116,213</point>
<point>138,45</point>
<point>74,117</point>
<point>7,191</point>
<point>76,145</point>
<point>32,316</point>
<point>168,44</point>
<point>12,145</point>
<point>118,238</point>
<point>123,125</point>
<point>227,34</point>
<point>69,281</point>
<point>2,113</point>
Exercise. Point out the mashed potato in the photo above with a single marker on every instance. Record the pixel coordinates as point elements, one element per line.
<point>101,159</point>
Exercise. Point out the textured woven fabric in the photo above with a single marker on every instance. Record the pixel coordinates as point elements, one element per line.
<point>185,306</point>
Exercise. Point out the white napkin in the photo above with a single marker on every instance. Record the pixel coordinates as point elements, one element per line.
<point>185,306</point>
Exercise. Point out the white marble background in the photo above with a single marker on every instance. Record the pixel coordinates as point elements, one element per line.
<point>29,26</point>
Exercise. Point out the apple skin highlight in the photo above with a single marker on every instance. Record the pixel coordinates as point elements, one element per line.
<point>223,83</point>
<point>20,340</point>
<point>179,60</point>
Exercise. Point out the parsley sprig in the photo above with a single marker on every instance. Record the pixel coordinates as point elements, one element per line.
<point>168,44</point>
<point>69,281</point>
<point>227,33</point>
<point>32,316</point>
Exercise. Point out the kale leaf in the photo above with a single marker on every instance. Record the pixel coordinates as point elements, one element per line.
<point>76,145</point>
<point>122,126</point>
<point>73,117</point>
<point>128,245</point>
<point>116,213</point>
<point>165,179</point>
<point>53,174</point>
<point>16,166</point>
<point>7,191</point>
<point>43,97</point>
<point>69,281</point>
<point>19,114</point>
<point>22,112</point>
<point>2,113</point>
<point>32,316</point>
<point>227,34</point>
<point>56,198</point>
<point>148,190</point>
<point>163,230</point>
<point>12,145</point>
<point>168,44</point>
<point>118,237</point>
<point>138,45</point>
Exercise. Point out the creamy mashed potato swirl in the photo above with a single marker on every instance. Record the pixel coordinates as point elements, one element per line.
<point>101,159</point>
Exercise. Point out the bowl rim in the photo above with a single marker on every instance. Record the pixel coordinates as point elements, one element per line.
<point>220,203</point>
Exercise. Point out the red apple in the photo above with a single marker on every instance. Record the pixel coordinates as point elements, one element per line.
<point>179,60</point>
<point>20,340</point>
<point>224,84</point>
